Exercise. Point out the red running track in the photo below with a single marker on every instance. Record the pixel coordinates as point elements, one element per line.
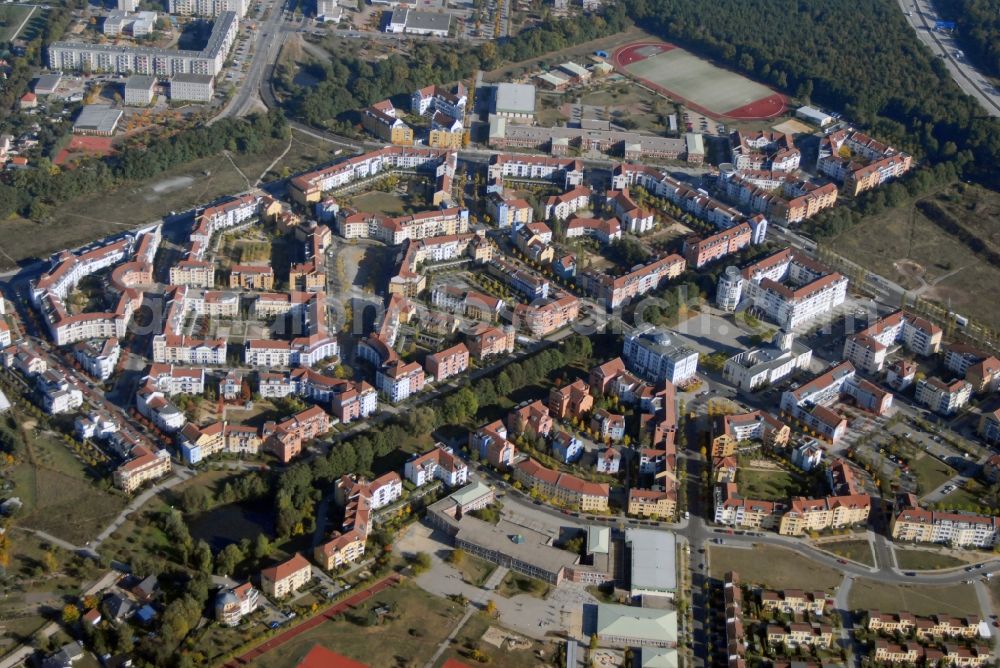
<point>310,624</point>
<point>762,109</point>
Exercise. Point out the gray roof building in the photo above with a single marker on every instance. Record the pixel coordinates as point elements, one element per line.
<point>626,625</point>
<point>514,99</point>
<point>653,562</point>
<point>97,119</point>
<point>47,84</point>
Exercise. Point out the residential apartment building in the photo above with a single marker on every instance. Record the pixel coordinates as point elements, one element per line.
<point>634,218</point>
<point>149,60</point>
<point>652,503</point>
<point>447,363</point>
<point>962,530</point>
<point>486,341</point>
<point>941,397</point>
<point>546,315</point>
<point>573,400</point>
<point>380,120</point>
<point>232,604</point>
<point>143,464</point>
<point>251,277</point>
<point>287,577</point>
<point>868,349</point>
<point>439,463</point>
<point>562,488</point>
<point>792,289</point>
<point>605,231</point>
<point>614,292</point>
<point>490,441</point>
<point>206,7</point>
<point>398,380</point>
<point>561,207</point>
<point>703,251</point>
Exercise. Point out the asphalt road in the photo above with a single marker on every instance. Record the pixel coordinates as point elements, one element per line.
<point>922,16</point>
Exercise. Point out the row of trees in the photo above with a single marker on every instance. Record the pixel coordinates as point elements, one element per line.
<point>870,65</point>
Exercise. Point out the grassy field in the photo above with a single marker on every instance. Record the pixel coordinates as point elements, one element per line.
<point>500,657</point>
<point>87,218</point>
<point>772,567</point>
<point>389,204</point>
<point>410,634</point>
<point>773,485</point>
<point>695,79</point>
<point>970,497</point>
<point>920,600</point>
<point>11,18</point>
<point>59,492</point>
<point>475,571</point>
<point>911,250</point>
<point>926,560</point>
<point>855,550</point>
<point>931,473</point>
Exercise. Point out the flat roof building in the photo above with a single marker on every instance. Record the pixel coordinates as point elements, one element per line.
<point>139,90</point>
<point>653,562</point>
<point>97,119</point>
<point>47,84</point>
<point>192,87</point>
<point>516,101</point>
<point>413,22</point>
<point>815,116</point>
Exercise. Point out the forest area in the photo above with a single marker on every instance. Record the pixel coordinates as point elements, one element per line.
<point>859,58</point>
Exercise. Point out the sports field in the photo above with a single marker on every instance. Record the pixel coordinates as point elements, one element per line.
<point>698,83</point>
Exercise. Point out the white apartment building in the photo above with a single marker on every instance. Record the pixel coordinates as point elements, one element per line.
<point>754,369</point>
<point>437,464</point>
<point>398,380</point>
<point>58,395</point>
<point>192,87</point>
<point>207,7</point>
<point>792,289</point>
<point>98,358</point>
<point>868,349</point>
<point>651,353</point>
<point>149,60</point>
<point>943,398</point>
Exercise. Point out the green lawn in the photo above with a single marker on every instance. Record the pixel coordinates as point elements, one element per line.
<point>776,485</point>
<point>474,570</point>
<point>408,636</point>
<point>11,17</point>
<point>970,497</point>
<point>772,567</point>
<point>376,201</point>
<point>920,600</point>
<point>931,473</point>
<point>926,560</point>
<point>854,550</point>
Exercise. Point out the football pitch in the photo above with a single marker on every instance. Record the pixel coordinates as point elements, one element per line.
<point>705,87</point>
